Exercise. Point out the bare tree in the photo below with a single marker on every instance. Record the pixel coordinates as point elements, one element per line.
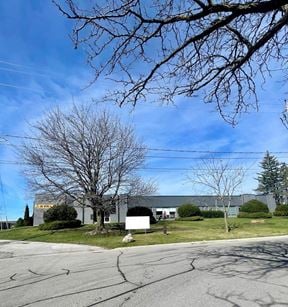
<point>164,48</point>
<point>89,157</point>
<point>221,178</point>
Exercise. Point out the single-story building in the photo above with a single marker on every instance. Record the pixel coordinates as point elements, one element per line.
<point>7,224</point>
<point>161,206</point>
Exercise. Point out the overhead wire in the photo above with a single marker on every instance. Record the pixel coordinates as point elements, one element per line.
<point>19,87</point>
<point>44,72</point>
<point>166,149</point>
<point>165,157</point>
<point>24,72</point>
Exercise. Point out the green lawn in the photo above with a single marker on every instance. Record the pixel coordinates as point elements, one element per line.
<point>178,231</point>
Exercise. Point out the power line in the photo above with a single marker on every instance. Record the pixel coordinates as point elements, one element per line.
<point>11,162</point>
<point>192,169</point>
<point>19,87</point>
<point>203,158</point>
<point>215,152</point>
<point>24,72</point>
<point>173,157</point>
<point>14,64</point>
<point>33,68</point>
<point>170,149</point>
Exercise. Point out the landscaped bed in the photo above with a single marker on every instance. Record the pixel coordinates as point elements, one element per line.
<point>178,231</point>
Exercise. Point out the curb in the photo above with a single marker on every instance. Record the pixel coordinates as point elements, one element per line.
<point>210,242</point>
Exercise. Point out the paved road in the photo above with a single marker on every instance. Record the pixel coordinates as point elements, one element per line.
<point>238,273</point>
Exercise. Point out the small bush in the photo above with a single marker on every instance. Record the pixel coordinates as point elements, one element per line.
<point>254,205</point>
<point>60,213</point>
<point>190,218</point>
<point>116,227</point>
<point>60,225</point>
<point>208,214</point>
<point>142,211</point>
<point>281,210</point>
<point>255,215</point>
<point>188,210</point>
<point>19,222</point>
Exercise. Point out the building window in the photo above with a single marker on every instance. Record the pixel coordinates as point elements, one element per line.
<point>172,214</point>
<point>107,217</point>
<point>113,208</point>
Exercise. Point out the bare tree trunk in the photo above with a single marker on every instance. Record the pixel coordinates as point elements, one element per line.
<point>226,221</point>
<point>94,215</point>
<point>100,220</point>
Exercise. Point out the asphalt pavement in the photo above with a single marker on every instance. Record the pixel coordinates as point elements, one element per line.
<point>225,273</point>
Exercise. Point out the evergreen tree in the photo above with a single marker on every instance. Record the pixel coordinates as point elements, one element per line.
<point>26,216</point>
<point>269,179</point>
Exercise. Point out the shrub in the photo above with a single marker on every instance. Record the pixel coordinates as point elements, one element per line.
<point>116,227</point>
<point>60,225</point>
<point>255,215</point>
<point>19,222</point>
<point>208,214</point>
<point>281,210</point>
<point>254,205</point>
<point>188,210</point>
<point>142,211</point>
<point>190,218</point>
<point>60,213</point>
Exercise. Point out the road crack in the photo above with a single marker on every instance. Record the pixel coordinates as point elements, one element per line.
<point>133,290</point>
<point>121,272</point>
<point>67,271</point>
<point>38,274</point>
<point>12,277</point>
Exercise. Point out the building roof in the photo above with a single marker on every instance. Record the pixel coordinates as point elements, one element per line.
<point>171,201</point>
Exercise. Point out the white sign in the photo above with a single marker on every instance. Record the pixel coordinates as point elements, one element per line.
<point>137,222</point>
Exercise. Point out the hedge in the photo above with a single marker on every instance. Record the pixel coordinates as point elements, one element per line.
<point>190,218</point>
<point>60,213</point>
<point>142,211</point>
<point>255,215</point>
<point>254,205</point>
<point>187,210</point>
<point>208,214</point>
<point>281,210</point>
<point>60,225</point>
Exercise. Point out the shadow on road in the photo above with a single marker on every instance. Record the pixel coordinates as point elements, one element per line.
<point>264,258</point>
<point>265,263</point>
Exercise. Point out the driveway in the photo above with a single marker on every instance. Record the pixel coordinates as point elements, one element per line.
<point>231,273</point>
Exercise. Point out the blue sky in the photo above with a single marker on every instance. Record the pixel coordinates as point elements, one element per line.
<point>40,69</point>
